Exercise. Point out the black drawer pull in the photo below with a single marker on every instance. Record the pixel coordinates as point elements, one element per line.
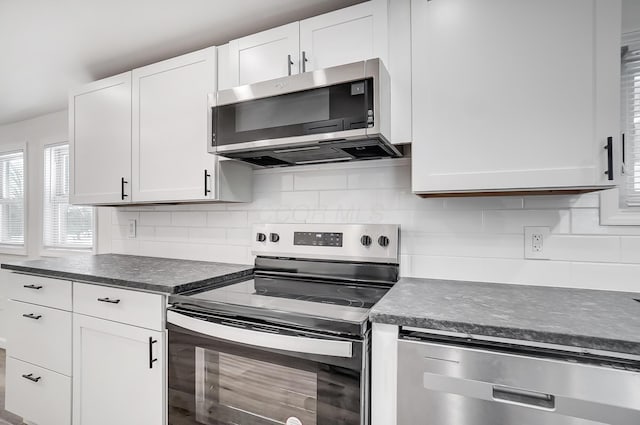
<point>609,148</point>
<point>32,316</point>
<point>30,377</point>
<point>109,300</point>
<point>151,359</point>
<point>36,287</point>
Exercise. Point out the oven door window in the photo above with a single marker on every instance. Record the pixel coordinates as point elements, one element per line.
<point>213,382</point>
<point>329,109</point>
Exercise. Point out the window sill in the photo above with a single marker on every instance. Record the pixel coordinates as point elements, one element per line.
<point>612,215</point>
<point>11,250</point>
<point>64,252</point>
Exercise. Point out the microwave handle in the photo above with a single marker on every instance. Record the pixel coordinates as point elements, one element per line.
<point>297,344</point>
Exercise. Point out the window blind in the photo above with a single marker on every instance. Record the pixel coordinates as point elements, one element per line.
<point>631,120</point>
<point>12,198</point>
<point>64,226</point>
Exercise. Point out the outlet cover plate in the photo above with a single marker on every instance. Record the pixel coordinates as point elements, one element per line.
<point>536,242</point>
<point>131,231</point>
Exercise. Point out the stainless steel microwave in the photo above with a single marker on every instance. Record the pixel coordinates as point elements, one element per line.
<point>329,115</point>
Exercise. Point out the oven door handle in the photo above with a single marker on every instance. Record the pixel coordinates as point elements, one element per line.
<point>297,344</point>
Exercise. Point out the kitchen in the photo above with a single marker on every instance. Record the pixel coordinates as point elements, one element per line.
<point>470,238</point>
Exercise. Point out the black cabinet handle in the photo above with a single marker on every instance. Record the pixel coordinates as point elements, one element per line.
<point>32,316</point>
<point>109,300</point>
<point>31,378</point>
<point>289,63</point>
<point>609,148</point>
<point>304,61</point>
<point>151,359</point>
<point>122,183</point>
<point>206,183</point>
<point>36,287</point>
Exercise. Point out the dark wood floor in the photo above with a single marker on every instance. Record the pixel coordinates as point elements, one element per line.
<point>6,418</point>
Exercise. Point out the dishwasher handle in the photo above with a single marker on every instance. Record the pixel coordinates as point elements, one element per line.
<point>520,396</point>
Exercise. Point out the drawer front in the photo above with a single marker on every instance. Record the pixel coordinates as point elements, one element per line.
<point>40,335</point>
<point>502,388</point>
<point>119,305</point>
<point>39,290</point>
<point>45,402</point>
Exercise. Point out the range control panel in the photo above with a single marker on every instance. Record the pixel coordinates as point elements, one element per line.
<point>317,239</point>
<point>348,242</point>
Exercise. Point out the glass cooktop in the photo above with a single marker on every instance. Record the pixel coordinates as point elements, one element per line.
<point>291,300</point>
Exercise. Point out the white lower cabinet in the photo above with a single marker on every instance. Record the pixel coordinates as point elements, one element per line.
<point>38,375</point>
<point>38,395</point>
<point>118,373</point>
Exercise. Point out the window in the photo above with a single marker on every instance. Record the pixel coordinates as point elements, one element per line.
<point>12,198</point>
<point>65,226</point>
<point>621,206</point>
<point>630,185</point>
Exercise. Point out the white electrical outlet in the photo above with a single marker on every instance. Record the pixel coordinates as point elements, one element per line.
<point>535,241</point>
<point>132,228</point>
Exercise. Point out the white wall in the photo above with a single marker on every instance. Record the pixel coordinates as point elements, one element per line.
<point>453,238</point>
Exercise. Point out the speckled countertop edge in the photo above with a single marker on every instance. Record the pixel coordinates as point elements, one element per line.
<point>407,305</point>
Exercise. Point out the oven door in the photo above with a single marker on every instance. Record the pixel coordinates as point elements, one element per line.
<point>226,371</point>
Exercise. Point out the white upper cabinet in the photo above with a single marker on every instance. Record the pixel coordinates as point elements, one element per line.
<point>100,141</point>
<point>514,95</point>
<point>344,36</point>
<point>264,56</point>
<point>373,29</point>
<point>155,151</point>
<point>170,128</point>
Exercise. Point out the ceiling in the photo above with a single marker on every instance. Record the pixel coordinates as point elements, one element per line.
<point>48,47</point>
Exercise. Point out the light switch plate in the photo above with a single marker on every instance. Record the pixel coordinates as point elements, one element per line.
<point>536,242</point>
<point>132,229</point>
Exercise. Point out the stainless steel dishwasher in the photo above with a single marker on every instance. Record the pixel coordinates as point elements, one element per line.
<point>458,381</point>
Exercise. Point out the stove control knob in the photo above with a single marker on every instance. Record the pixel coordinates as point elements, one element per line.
<point>383,241</point>
<point>274,237</point>
<point>261,237</point>
<point>365,240</point>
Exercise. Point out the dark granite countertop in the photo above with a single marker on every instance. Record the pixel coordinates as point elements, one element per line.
<point>588,319</point>
<point>166,275</point>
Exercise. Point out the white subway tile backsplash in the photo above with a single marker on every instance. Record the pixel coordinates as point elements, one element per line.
<point>462,245</point>
<point>155,218</point>
<point>272,181</point>
<point>396,177</point>
<point>514,221</point>
<point>587,221</point>
<point>189,218</point>
<point>242,237</point>
<point>320,180</point>
<point>123,217</point>
<point>583,248</point>
<point>227,219</point>
<point>484,203</point>
<point>172,234</point>
<point>630,249</point>
<point>474,238</point>
<point>207,235</point>
<point>588,200</point>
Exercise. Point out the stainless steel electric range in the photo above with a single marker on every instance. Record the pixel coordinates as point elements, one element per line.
<point>291,344</point>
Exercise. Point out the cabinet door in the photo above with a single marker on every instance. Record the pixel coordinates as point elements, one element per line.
<point>508,95</point>
<point>344,36</point>
<point>100,141</point>
<point>114,381</point>
<point>170,122</point>
<point>266,55</point>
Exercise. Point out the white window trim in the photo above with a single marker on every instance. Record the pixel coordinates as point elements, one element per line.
<point>47,251</point>
<point>8,148</point>
<point>611,214</point>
